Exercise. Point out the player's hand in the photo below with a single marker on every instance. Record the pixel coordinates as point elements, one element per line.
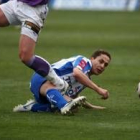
<point>104,93</point>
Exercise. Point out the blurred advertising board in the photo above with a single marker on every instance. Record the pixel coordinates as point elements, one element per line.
<point>95,4</point>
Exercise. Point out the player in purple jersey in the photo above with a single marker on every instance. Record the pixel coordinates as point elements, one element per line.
<point>31,20</point>
<point>77,72</point>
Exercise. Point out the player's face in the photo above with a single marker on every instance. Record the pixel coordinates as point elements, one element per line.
<point>99,64</point>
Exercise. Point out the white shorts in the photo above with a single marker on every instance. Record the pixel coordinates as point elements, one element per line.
<point>17,13</point>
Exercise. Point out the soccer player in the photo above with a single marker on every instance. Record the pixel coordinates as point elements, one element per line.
<point>30,14</point>
<point>77,71</point>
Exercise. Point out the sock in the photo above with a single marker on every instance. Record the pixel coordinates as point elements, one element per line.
<point>56,98</point>
<point>43,68</point>
<point>55,79</point>
<point>39,65</point>
<point>37,107</point>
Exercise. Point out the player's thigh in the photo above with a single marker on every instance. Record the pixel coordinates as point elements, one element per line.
<point>7,14</point>
<point>3,19</point>
<point>35,15</point>
<point>32,19</point>
<point>46,86</point>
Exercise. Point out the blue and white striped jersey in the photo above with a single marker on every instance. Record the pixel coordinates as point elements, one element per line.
<point>64,68</point>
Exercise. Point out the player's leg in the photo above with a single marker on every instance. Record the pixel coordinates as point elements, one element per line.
<point>32,105</point>
<point>37,63</point>
<point>37,107</point>
<point>42,88</point>
<point>53,95</point>
<point>56,98</point>
<point>39,103</point>
<point>29,34</point>
<point>45,96</point>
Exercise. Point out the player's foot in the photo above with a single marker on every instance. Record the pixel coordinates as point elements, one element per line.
<point>60,84</point>
<point>63,88</point>
<point>24,108</point>
<point>67,109</point>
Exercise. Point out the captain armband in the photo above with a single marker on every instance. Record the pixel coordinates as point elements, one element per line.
<point>32,26</point>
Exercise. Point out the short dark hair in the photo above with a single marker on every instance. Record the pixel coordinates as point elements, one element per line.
<point>99,52</point>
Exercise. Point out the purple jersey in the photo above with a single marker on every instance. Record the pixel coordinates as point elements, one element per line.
<point>35,2</point>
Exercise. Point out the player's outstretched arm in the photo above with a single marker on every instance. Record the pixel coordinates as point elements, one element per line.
<point>84,79</point>
<point>88,105</point>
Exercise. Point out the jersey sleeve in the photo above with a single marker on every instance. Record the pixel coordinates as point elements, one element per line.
<point>82,63</point>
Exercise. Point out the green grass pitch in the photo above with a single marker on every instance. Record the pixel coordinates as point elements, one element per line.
<point>68,33</point>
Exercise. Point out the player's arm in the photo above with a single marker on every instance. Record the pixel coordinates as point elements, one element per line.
<point>88,105</point>
<point>85,104</point>
<point>84,79</point>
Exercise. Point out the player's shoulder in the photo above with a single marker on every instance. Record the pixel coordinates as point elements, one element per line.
<point>81,56</point>
<point>84,58</point>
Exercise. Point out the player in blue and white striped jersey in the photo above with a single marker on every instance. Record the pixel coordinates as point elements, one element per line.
<point>64,69</point>
<point>76,71</point>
